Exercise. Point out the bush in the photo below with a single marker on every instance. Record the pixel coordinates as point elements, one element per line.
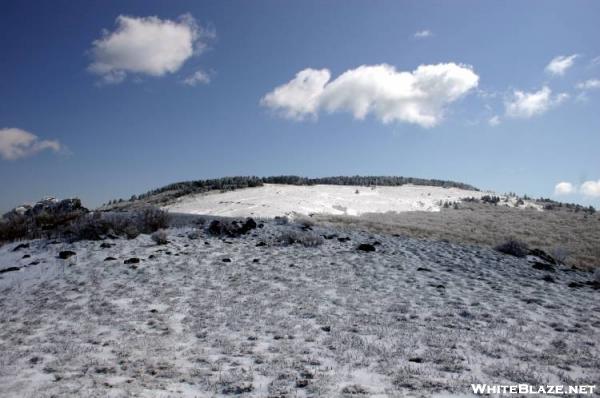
<point>513,247</point>
<point>307,239</point>
<point>131,231</point>
<point>159,237</point>
<point>150,219</point>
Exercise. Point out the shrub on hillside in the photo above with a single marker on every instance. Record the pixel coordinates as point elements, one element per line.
<point>307,239</point>
<point>513,247</point>
<point>150,219</point>
<point>159,237</point>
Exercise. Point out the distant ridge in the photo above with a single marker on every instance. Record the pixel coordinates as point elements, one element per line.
<point>169,193</point>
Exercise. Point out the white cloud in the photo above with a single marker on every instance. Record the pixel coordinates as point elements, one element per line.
<point>526,105</point>
<point>564,188</point>
<point>418,97</point>
<point>146,45</point>
<point>198,77</point>
<point>559,65</point>
<point>591,188</point>
<point>591,84</point>
<point>16,143</point>
<point>300,96</point>
<point>423,34</point>
<point>494,120</point>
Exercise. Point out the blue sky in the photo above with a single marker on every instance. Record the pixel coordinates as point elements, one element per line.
<point>95,102</point>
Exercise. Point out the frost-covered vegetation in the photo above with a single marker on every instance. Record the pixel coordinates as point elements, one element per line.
<point>209,315</point>
<point>69,220</point>
<point>168,193</point>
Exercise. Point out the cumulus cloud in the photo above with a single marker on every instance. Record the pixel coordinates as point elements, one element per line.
<point>564,188</point>
<point>525,105</point>
<point>423,34</point>
<point>559,65</point>
<point>198,77</point>
<point>300,96</point>
<point>591,188</point>
<point>16,143</point>
<point>591,84</point>
<point>147,46</point>
<point>419,97</point>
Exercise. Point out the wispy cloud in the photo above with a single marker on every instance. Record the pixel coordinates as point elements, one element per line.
<point>196,78</point>
<point>419,97</point>
<point>423,34</point>
<point>559,65</point>
<point>591,84</point>
<point>146,46</point>
<point>16,143</point>
<point>528,104</point>
<point>494,120</point>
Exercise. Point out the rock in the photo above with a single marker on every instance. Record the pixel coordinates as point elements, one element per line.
<point>346,239</point>
<point>132,260</point>
<point>422,269</point>
<point>261,244</point>
<point>543,256</point>
<point>301,383</point>
<point>21,246</point>
<point>366,247</point>
<point>106,245</point>
<point>415,360</point>
<point>261,225</point>
<point>65,254</point>
<point>256,261</point>
<point>329,237</point>
<point>593,284</point>
<point>26,256</point>
<point>36,262</point>
<point>238,390</point>
<point>9,269</point>
<point>226,260</point>
<point>215,227</point>
<point>109,259</point>
<point>326,328</point>
<point>548,278</point>
<point>250,224</point>
<point>193,235</point>
<point>543,266</point>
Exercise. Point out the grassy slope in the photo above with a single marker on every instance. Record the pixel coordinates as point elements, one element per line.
<point>560,229</point>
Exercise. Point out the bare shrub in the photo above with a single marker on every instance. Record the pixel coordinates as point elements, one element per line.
<point>89,227</point>
<point>281,220</point>
<point>560,254</point>
<point>159,237</point>
<point>150,219</point>
<point>131,231</point>
<point>307,239</point>
<point>513,247</point>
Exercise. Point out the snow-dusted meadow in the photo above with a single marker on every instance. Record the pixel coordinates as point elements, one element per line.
<point>273,200</point>
<point>413,318</point>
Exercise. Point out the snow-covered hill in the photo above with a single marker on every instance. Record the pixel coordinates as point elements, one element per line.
<point>249,316</point>
<point>273,200</point>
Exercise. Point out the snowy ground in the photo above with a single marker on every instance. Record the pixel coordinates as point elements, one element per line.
<point>273,200</point>
<point>414,318</point>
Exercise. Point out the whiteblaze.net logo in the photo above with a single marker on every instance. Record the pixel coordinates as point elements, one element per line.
<point>531,389</point>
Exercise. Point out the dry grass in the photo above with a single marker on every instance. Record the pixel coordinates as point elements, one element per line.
<point>555,231</point>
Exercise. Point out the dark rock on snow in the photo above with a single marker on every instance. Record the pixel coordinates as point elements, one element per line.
<point>9,269</point>
<point>21,246</point>
<point>366,247</point>
<point>65,254</point>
